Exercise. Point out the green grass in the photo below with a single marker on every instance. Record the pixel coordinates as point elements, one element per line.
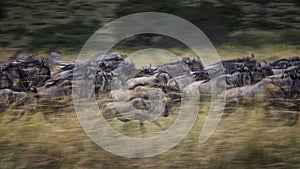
<point>265,52</point>
<point>289,37</point>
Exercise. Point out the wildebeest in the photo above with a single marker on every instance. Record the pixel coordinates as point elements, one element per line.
<point>174,69</point>
<point>238,79</point>
<point>180,82</point>
<point>125,71</point>
<point>141,81</point>
<point>250,91</point>
<point>201,75</point>
<point>231,66</point>
<point>8,97</point>
<point>193,89</point>
<point>27,71</point>
<point>285,63</point>
<point>242,78</point>
<point>271,87</point>
<point>121,95</point>
<point>205,87</point>
<point>138,92</point>
<point>109,61</point>
<point>5,80</point>
<point>239,64</point>
<point>55,59</point>
<point>286,70</point>
<point>146,71</point>
<point>147,92</point>
<point>36,75</point>
<point>115,109</point>
<point>194,64</point>
<point>54,88</point>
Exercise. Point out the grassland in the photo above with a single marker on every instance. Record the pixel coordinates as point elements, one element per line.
<point>246,138</point>
<point>48,135</point>
<point>255,135</point>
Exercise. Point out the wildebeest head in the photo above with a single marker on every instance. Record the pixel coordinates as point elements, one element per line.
<point>163,77</point>
<point>110,56</point>
<point>174,69</point>
<point>109,61</point>
<point>201,75</point>
<point>125,71</point>
<point>267,70</point>
<point>27,59</point>
<point>6,97</point>
<point>34,75</point>
<point>295,76</point>
<point>235,64</point>
<point>54,88</point>
<point>13,72</point>
<point>55,58</point>
<point>146,71</point>
<point>285,63</point>
<point>194,64</point>
<point>5,80</point>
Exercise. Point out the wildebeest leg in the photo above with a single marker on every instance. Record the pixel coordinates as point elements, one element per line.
<point>142,129</point>
<point>103,84</point>
<point>168,106</point>
<point>167,110</point>
<point>97,91</point>
<point>97,85</point>
<point>296,119</point>
<point>35,103</point>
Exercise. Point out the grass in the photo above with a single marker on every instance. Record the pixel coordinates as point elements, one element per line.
<point>49,136</point>
<point>265,52</point>
<point>255,39</point>
<point>58,141</point>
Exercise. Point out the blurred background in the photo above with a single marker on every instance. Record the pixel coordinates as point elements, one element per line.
<point>66,25</point>
<point>51,137</point>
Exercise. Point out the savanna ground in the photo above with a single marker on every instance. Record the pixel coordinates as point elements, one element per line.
<point>250,135</point>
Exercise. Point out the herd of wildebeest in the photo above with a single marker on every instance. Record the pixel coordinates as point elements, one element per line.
<point>27,78</point>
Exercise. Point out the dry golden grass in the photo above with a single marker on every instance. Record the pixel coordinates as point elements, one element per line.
<point>266,52</point>
<point>50,139</point>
